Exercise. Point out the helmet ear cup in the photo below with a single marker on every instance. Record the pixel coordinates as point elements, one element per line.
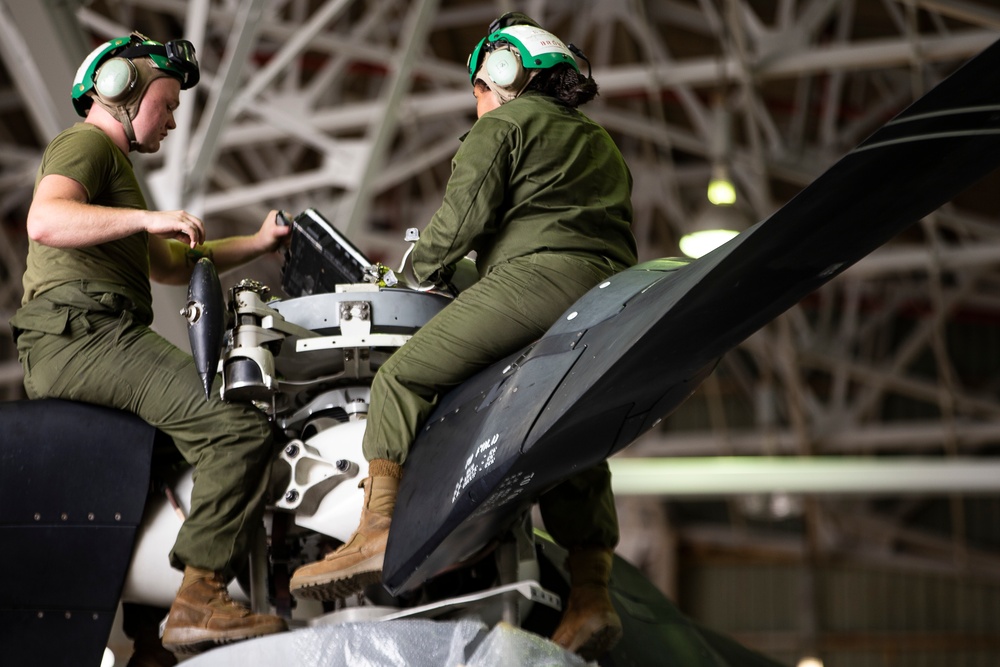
<point>115,80</point>
<point>504,67</point>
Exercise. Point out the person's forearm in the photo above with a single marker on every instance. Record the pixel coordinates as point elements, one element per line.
<point>174,264</point>
<point>233,251</point>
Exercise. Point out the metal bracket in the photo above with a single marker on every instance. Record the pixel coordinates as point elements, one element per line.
<point>356,318</point>
<point>312,477</point>
<point>333,342</point>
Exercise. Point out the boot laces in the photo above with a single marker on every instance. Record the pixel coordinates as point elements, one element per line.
<point>221,598</point>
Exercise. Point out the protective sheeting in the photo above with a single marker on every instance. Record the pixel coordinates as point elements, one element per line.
<point>507,645</point>
<point>402,643</point>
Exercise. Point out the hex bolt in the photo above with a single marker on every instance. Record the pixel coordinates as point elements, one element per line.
<point>291,496</point>
<point>292,450</point>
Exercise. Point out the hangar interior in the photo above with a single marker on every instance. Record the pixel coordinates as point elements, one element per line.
<point>886,551</point>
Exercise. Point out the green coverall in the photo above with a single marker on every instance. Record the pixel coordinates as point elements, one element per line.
<point>542,195</point>
<point>83,334</point>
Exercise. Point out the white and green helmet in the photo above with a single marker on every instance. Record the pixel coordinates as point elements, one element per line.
<point>516,49</point>
<point>118,72</point>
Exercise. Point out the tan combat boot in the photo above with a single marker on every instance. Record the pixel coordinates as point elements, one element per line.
<point>203,615</point>
<point>590,626</point>
<point>358,562</point>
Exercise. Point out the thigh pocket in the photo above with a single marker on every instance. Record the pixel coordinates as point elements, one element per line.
<point>86,368</point>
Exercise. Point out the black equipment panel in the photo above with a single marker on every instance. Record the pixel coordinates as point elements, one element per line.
<point>319,257</point>
<point>73,483</point>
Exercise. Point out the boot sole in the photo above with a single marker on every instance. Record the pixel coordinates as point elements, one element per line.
<point>337,585</point>
<point>191,641</point>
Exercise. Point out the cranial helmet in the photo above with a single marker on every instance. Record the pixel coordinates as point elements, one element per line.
<point>117,74</point>
<point>513,53</point>
<point>110,71</point>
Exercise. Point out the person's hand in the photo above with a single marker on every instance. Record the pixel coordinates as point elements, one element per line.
<point>178,225</point>
<point>271,235</point>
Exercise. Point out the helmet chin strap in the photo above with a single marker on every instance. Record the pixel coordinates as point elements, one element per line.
<point>133,144</point>
<point>121,114</point>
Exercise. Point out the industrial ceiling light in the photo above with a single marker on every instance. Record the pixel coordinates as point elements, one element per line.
<point>716,224</point>
<point>721,191</point>
<point>712,227</point>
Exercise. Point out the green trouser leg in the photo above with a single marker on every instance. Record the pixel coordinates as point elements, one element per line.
<point>106,359</point>
<point>505,311</point>
<point>597,525</point>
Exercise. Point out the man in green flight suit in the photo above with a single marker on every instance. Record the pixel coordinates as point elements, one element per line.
<point>83,329</point>
<point>542,195</point>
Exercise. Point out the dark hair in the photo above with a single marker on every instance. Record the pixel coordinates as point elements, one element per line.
<point>565,84</point>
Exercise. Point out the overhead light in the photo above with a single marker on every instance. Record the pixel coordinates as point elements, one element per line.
<point>712,227</point>
<point>721,191</point>
<point>697,244</point>
<point>809,661</point>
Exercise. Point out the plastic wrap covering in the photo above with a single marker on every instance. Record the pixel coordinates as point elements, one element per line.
<point>401,643</point>
<point>507,645</point>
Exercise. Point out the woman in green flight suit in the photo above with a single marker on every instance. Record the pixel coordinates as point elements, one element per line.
<point>542,195</point>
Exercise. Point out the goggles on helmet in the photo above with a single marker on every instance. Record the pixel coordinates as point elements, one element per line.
<point>176,58</point>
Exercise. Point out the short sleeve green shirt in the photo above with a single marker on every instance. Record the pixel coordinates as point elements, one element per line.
<point>88,156</point>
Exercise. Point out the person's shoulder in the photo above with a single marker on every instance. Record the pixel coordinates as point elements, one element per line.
<point>80,149</point>
<point>517,112</point>
<point>83,137</point>
<point>84,133</point>
<point>533,109</point>
<point>530,102</point>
